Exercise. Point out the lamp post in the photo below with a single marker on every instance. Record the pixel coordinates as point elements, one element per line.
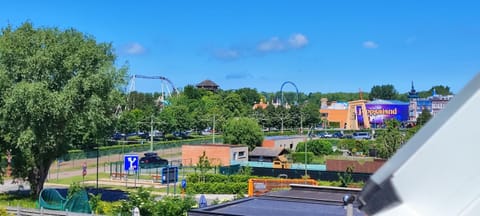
<point>213,130</point>
<point>310,131</point>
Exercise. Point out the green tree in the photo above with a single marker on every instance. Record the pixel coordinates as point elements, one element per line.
<point>54,86</point>
<point>390,139</point>
<point>386,92</point>
<point>424,116</point>
<point>248,96</point>
<point>439,89</point>
<point>310,114</point>
<point>203,165</point>
<point>317,147</point>
<point>244,131</point>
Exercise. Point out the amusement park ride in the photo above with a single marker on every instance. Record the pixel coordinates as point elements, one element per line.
<point>167,89</point>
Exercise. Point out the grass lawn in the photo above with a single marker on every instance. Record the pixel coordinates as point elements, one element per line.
<point>21,200</point>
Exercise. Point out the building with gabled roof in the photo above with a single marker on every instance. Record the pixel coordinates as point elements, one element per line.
<point>208,85</point>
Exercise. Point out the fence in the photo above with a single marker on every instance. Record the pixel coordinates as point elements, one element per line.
<point>45,212</point>
<point>121,149</point>
<point>314,174</point>
<point>258,187</point>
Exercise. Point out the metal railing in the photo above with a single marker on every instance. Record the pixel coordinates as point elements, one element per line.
<point>45,212</point>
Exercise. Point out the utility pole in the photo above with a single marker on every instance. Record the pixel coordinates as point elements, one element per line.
<point>151,134</point>
<point>213,131</point>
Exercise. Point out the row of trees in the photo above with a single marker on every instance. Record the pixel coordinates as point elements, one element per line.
<point>60,89</point>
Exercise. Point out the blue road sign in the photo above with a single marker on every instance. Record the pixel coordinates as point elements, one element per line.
<point>130,162</point>
<point>184,183</point>
<point>169,175</point>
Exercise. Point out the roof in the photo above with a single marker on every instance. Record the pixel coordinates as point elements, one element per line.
<point>207,83</point>
<point>284,137</point>
<point>270,152</point>
<point>217,145</point>
<point>302,200</point>
<point>387,102</point>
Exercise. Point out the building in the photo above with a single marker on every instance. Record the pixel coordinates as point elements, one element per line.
<point>439,102</point>
<point>286,142</point>
<point>412,107</point>
<point>208,85</point>
<point>357,115</point>
<point>304,200</point>
<point>334,112</point>
<point>433,104</point>
<point>261,105</point>
<point>262,154</point>
<point>218,154</point>
<point>379,111</point>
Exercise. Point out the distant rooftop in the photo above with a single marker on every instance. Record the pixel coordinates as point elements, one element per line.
<point>299,200</point>
<point>381,101</point>
<point>208,84</point>
<point>283,137</point>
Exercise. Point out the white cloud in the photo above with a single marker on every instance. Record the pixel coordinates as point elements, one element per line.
<point>134,49</point>
<point>370,45</point>
<point>272,44</point>
<point>298,41</point>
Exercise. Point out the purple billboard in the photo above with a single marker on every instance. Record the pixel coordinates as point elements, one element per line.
<point>378,113</point>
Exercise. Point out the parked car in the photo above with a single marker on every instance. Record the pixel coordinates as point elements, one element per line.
<point>337,135</point>
<point>181,134</point>
<point>324,135</point>
<point>361,135</point>
<point>118,136</point>
<point>152,160</point>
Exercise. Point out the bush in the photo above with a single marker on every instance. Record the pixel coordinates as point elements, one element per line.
<point>299,157</point>
<point>218,188</point>
<point>318,147</point>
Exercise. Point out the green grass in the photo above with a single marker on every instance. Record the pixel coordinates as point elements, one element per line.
<point>79,178</point>
<point>24,201</point>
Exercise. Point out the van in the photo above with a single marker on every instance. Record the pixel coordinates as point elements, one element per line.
<point>361,135</point>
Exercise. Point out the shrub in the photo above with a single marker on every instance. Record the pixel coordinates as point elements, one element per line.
<point>299,157</point>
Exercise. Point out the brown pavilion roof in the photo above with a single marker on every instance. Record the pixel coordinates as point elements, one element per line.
<point>207,84</point>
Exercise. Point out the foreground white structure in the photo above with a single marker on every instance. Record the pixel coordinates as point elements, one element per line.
<point>438,171</point>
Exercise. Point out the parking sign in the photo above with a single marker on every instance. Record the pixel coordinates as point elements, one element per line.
<point>130,162</point>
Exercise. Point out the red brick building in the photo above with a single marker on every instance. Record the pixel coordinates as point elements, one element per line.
<point>359,166</point>
<point>218,154</point>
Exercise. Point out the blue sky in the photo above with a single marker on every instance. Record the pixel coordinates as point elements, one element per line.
<point>321,46</point>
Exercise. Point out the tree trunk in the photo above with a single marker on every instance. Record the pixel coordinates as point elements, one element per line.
<point>38,177</point>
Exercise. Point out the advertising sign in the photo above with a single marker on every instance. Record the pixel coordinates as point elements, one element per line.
<point>378,113</point>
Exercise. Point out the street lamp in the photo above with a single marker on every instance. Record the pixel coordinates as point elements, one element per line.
<point>310,133</point>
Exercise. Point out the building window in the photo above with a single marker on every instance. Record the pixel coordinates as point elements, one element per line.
<point>241,155</point>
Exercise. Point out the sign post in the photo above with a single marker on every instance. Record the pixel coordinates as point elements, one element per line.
<point>184,187</point>
<point>84,171</point>
<point>130,162</point>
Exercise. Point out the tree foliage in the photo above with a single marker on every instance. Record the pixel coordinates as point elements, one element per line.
<point>386,92</point>
<point>148,205</point>
<point>245,131</point>
<point>55,93</point>
<point>318,147</point>
<point>439,89</point>
<point>424,116</point>
<point>391,139</point>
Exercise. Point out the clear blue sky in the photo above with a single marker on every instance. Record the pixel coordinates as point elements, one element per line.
<point>321,46</point>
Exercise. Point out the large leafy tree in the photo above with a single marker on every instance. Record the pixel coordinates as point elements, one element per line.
<point>386,92</point>
<point>56,90</point>
<point>244,131</point>
<point>439,89</point>
<point>424,116</point>
<point>391,139</point>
